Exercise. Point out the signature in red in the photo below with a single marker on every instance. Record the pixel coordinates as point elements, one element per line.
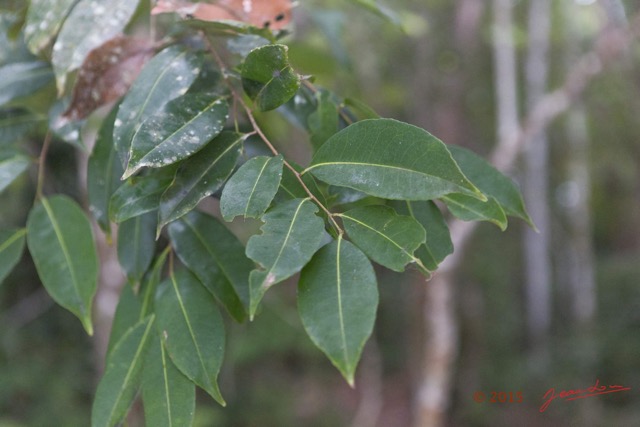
<point>568,395</point>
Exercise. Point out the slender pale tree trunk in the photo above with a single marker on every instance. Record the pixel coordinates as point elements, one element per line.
<point>535,189</point>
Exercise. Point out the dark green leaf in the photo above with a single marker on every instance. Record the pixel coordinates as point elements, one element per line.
<point>200,176</point>
<point>15,124</point>
<point>44,19</point>
<point>103,173</point>
<point>337,301</point>
<point>12,165</point>
<point>11,248</point>
<point>139,195</point>
<point>151,281</point>
<point>136,245</point>
<point>268,78</point>
<point>364,111</point>
<point>469,209</point>
<point>128,313</point>
<point>251,189</point>
<point>20,79</point>
<point>386,237</point>
<point>121,380</point>
<point>290,187</point>
<point>390,159</point>
<point>90,24</point>
<point>438,244</point>
<point>491,182</point>
<point>167,76</point>
<point>169,397</point>
<point>62,247</point>
<point>184,126</point>
<point>192,329</point>
<point>216,257</point>
<point>230,27</point>
<point>292,233</point>
<point>323,123</point>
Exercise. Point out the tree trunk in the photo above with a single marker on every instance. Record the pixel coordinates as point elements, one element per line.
<point>535,191</point>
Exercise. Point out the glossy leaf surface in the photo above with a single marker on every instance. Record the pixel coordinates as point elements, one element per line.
<point>136,245</point>
<point>469,209</point>
<point>492,182</point>
<point>386,237</point>
<point>11,248</point>
<point>103,172</point>
<point>169,397</point>
<point>90,24</point>
<point>337,301</point>
<point>43,21</point>
<point>390,159</point>
<point>23,78</point>
<point>438,244</point>
<point>216,257</point>
<point>121,380</point>
<point>128,313</point>
<point>174,133</point>
<point>139,195</point>
<point>12,165</point>
<point>61,245</point>
<point>165,77</point>
<point>192,329</point>
<point>268,78</point>
<point>200,176</point>
<point>292,233</point>
<point>251,189</point>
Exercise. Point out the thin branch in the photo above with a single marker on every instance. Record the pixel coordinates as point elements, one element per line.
<point>264,138</point>
<point>42,164</point>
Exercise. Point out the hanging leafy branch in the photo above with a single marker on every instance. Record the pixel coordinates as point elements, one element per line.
<point>186,107</point>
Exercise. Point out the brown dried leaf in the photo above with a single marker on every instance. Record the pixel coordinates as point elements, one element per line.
<point>107,73</point>
<point>274,14</point>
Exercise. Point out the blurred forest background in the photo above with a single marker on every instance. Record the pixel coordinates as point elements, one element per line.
<point>549,91</point>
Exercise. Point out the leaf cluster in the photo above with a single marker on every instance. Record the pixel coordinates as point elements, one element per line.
<point>186,107</point>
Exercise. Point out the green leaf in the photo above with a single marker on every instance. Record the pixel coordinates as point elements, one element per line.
<point>251,189</point>
<point>438,245</point>
<point>383,11</point>
<point>165,77</point>
<point>139,195</point>
<point>136,245</point>
<point>228,27</point>
<point>61,244</point>
<point>390,159</point>
<point>200,176</point>
<point>14,124</point>
<point>151,281</point>
<point>11,248</point>
<point>268,78</point>
<point>20,79</point>
<point>386,237</point>
<point>216,257</point>
<point>290,187</point>
<point>119,385</point>
<point>12,165</point>
<point>192,329</point>
<point>292,233</point>
<point>128,313</point>
<point>469,209</point>
<point>323,123</point>
<point>89,25</point>
<point>337,301</point>
<point>168,396</point>
<point>364,111</point>
<point>492,182</point>
<point>103,173</point>
<point>184,126</point>
<point>44,20</point>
